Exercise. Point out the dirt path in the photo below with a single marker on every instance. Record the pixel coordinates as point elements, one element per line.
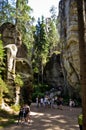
<point>50,119</point>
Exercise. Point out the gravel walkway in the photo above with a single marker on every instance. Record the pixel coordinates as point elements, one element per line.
<point>50,119</point>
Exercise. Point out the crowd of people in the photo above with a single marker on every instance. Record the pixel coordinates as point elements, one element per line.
<point>49,102</point>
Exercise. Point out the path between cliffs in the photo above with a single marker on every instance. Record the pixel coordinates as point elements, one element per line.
<point>50,119</point>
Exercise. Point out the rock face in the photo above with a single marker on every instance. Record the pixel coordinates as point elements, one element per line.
<point>68,29</point>
<point>11,59</point>
<point>17,60</point>
<point>53,72</point>
<point>69,47</point>
<point>10,35</point>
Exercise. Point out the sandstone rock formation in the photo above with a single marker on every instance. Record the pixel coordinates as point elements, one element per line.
<point>53,73</point>
<point>68,29</point>
<point>11,59</point>
<point>17,59</point>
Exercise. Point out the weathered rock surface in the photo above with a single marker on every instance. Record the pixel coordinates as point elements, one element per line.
<point>12,37</point>
<point>69,44</point>
<point>53,72</point>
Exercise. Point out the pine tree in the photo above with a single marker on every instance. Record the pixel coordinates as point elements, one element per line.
<point>40,47</point>
<point>53,13</point>
<point>24,22</point>
<point>53,37</point>
<point>7,12</point>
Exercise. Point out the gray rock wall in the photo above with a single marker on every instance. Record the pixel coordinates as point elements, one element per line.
<point>69,43</point>
<point>53,72</point>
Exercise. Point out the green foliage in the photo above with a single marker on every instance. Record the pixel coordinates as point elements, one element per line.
<point>18,80</point>
<point>16,108</point>
<point>6,118</point>
<point>1,50</point>
<point>3,87</point>
<point>53,37</point>
<point>39,90</point>
<point>1,56</point>
<point>40,45</point>
<point>45,44</point>
<point>7,12</point>
<point>10,95</point>
<point>53,13</point>
<point>24,23</point>
<point>34,95</point>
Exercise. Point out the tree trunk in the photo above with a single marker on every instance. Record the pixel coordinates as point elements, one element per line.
<point>82,48</point>
<point>42,72</point>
